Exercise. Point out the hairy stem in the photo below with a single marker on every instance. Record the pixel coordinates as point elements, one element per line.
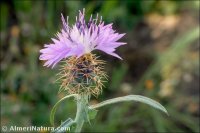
<point>82,101</point>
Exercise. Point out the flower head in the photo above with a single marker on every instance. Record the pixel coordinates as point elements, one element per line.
<point>82,38</point>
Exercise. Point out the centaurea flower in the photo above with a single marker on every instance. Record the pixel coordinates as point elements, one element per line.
<point>82,73</point>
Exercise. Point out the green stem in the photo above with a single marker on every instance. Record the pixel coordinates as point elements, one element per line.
<point>82,101</point>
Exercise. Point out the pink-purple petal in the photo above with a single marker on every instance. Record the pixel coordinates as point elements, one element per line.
<point>83,37</point>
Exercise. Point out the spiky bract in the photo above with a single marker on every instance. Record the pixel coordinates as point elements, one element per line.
<point>83,75</point>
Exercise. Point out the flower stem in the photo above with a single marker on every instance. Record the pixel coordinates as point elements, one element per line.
<point>82,101</point>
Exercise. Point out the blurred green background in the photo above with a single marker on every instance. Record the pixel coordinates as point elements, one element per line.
<point>161,61</point>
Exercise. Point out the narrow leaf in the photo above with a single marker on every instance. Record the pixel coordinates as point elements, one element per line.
<point>53,111</point>
<point>137,98</point>
<point>65,126</point>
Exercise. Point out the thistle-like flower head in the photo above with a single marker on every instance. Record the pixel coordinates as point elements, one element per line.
<point>82,72</point>
<point>81,38</point>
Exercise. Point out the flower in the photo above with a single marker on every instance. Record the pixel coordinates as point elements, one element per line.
<point>80,39</point>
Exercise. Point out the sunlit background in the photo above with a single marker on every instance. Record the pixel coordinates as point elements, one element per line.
<point>160,61</point>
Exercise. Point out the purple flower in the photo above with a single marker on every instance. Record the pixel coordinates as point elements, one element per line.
<point>80,39</point>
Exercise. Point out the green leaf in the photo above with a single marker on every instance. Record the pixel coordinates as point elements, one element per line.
<point>137,98</point>
<point>53,111</point>
<point>92,113</point>
<point>65,126</point>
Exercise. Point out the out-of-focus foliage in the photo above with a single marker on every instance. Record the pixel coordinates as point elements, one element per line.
<point>161,61</point>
